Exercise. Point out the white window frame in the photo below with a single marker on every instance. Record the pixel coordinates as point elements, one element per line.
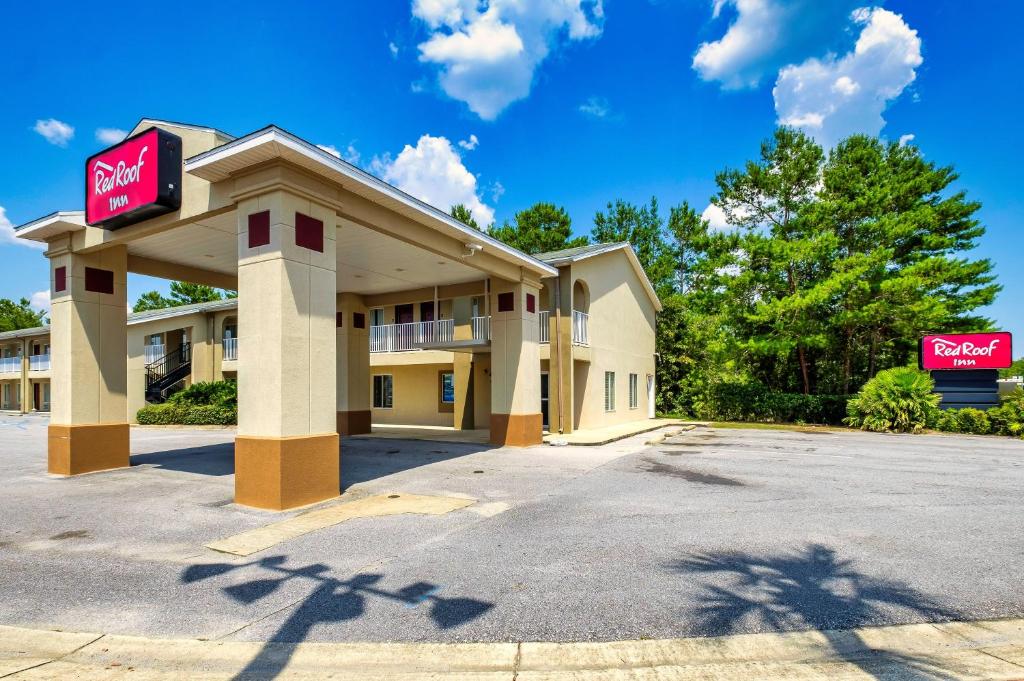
<point>390,379</point>
<point>609,391</point>
<point>634,397</point>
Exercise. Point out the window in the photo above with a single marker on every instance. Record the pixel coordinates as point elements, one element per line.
<point>506,302</point>
<point>609,391</point>
<point>382,391</point>
<point>377,316</point>
<point>634,399</point>
<point>447,387</point>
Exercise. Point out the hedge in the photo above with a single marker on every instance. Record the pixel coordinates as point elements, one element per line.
<point>742,401</point>
<point>171,413</point>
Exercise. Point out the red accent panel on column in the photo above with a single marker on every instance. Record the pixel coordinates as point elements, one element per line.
<point>506,302</point>
<point>339,319</point>
<point>531,302</point>
<point>99,281</point>
<point>309,233</point>
<point>259,229</point>
<point>60,279</point>
<point>358,320</point>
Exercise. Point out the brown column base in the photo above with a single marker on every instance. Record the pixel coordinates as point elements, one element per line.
<point>76,449</point>
<point>517,430</point>
<point>278,473</point>
<point>353,422</point>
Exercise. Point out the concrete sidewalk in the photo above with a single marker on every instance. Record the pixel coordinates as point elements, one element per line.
<point>959,650</point>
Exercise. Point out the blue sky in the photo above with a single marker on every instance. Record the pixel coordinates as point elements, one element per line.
<point>569,101</point>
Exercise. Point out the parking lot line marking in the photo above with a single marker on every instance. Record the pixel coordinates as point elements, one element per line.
<point>262,538</point>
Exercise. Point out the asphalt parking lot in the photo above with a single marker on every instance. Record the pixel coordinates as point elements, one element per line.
<point>711,532</point>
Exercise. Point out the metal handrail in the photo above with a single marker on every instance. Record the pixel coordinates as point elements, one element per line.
<point>10,364</point>
<point>406,336</point>
<point>230,349</point>
<point>481,328</point>
<point>580,328</point>
<point>39,362</point>
<point>158,369</point>
<point>545,328</point>
<point>153,353</point>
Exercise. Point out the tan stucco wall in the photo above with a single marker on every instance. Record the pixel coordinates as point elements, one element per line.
<point>622,331</point>
<point>415,395</point>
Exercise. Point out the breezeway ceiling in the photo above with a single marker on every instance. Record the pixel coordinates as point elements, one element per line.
<point>369,262</point>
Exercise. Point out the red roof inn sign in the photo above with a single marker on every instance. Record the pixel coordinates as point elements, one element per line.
<point>966,351</point>
<point>134,180</point>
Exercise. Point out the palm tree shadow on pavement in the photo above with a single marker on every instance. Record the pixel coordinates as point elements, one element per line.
<point>331,600</point>
<point>812,589</point>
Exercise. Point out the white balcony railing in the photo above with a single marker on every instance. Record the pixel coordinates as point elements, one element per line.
<point>580,328</point>
<point>481,328</point>
<point>545,329</point>
<point>154,352</point>
<point>230,346</point>
<point>404,337</point>
<point>10,365</point>
<point>39,362</point>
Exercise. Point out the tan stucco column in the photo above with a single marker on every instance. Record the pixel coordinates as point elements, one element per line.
<point>560,376</point>
<point>88,344</point>
<point>25,386</point>
<point>515,364</point>
<point>353,391</point>
<point>462,364</point>
<point>286,451</point>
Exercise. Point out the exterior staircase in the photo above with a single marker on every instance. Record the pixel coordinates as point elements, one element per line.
<point>165,376</point>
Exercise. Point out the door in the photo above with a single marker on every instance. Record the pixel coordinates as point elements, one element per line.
<point>403,314</point>
<point>37,398</point>
<point>544,400</point>
<point>650,396</point>
<point>426,312</point>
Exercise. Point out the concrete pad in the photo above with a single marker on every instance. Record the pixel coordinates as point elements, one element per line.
<point>602,436</point>
<point>262,538</point>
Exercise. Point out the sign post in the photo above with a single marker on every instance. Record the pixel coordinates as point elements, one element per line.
<point>133,180</point>
<point>965,366</point>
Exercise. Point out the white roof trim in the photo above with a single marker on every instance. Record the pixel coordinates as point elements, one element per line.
<point>633,260</point>
<point>275,135</point>
<point>52,225</point>
<point>182,311</point>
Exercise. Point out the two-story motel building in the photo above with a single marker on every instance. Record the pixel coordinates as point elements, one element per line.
<point>357,305</point>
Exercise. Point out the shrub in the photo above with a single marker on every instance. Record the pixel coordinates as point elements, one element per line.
<point>967,420</point>
<point>171,413</point>
<point>898,400</point>
<point>747,401</point>
<point>1008,417</point>
<point>217,393</point>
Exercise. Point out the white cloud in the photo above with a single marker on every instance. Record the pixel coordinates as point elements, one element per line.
<point>834,97</point>
<point>497,191</point>
<point>110,135</point>
<point>488,52</point>
<point>715,217</point>
<point>40,300</point>
<point>765,35</point>
<point>7,237</point>
<point>906,139</point>
<point>330,149</point>
<point>469,145</point>
<point>55,132</point>
<point>432,171</point>
<point>351,154</point>
<point>393,48</point>
<point>596,107</point>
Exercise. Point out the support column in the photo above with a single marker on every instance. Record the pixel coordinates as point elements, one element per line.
<point>560,377</point>
<point>88,345</point>
<point>25,385</point>
<point>462,364</point>
<point>353,382</point>
<point>286,451</point>
<point>515,364</point>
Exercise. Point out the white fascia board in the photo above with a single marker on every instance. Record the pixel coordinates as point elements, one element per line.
<point>633,260</point>
<point>275,135</point>
<point>51,225</point>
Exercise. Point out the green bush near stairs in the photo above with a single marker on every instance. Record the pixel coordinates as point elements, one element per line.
<point>201,404</point>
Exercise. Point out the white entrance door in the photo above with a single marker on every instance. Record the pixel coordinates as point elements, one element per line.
<point>650,396</point>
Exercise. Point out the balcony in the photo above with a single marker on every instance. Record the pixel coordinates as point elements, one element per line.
<point>10,365</point>
<point>481,328</point>
<point>230,348</point>
<point>409,336</point>
<point>39,362</point>
<point>580,328</point>
<point>545,328</point>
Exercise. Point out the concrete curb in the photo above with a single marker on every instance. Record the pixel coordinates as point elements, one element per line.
<point>960,650</point>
